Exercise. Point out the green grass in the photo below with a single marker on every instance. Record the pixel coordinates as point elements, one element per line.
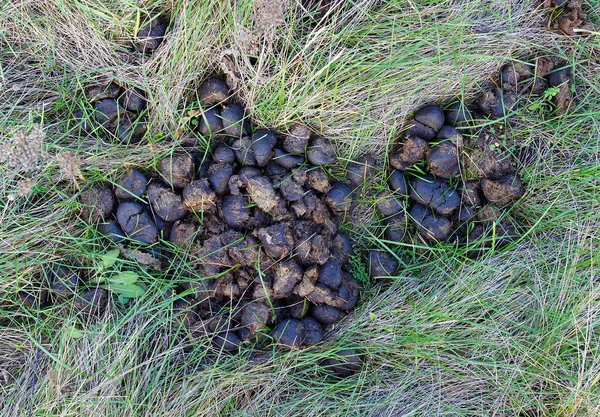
<point>515,332</point>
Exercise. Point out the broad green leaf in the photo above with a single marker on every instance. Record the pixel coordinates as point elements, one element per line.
<point>372,316</point>
<point>109,259</point>
<point>122,299</point>
<point>73,332</point>
<point>124,278</point>
<point>129,291</point>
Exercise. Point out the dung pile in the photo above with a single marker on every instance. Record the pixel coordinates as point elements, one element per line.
<point>59,283</point>
<point>454,175</point>
<point>259,218</point>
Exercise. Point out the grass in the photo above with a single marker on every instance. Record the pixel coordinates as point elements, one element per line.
<point>515,332</point>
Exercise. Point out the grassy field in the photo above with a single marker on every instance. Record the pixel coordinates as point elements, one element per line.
<point>514,333</point>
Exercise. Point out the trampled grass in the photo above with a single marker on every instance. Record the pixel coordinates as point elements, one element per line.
<point>514,333</point>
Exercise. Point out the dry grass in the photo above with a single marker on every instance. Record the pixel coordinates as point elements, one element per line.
<point>516,333</point>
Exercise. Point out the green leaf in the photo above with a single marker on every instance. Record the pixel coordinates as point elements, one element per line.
<point>109,259</point>
<point>124,278</point>
<point>122,299</point>
<point>372,316</point>
<point>73,332</point>
<point>129,291</point>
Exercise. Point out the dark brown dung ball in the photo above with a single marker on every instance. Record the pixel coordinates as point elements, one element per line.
<point>97,203</point>
<point>177,170</point>
<point>63,281</point>
<point>504,190</point>
<point>235,211</point>
<point>347,362</point>
<point>432,226</point>
<point>561,76</point>
<point>133,99</point>
<point>235,120</point>
<point>218,176</point>
<point>213,91</point>
<point>297,140</point>
<point>198,196</point>
<point>289,333</point>
<point>497,103</point>
<point>137,223</point>
<point>209,122</point>
<point>277,240</point>
<point>287,160</point>
<point>413,150</point>
<point>165,203</point>
<point>327,315</point>
<point>131,185</point>
<point>398,183</point>
<point>360,170</point>
<point>431,116</point>
<point>102,91</point>
<point>457,114</point>
<point>389,204</point>
<point>107,111</point>
<point>313,332</point>
<point>130,128</point>
<point>433,192</point>
<point>111,230</point>
<point>320,152</point>
<point>330,274</point>
<point>381,264</point>
<point>443,160</point>
<point>263,142</point>
<point>339,198</point>
<point>151,35</point>
<point>223,154</point>
<point>91,301</point>
<point>228,341</point>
